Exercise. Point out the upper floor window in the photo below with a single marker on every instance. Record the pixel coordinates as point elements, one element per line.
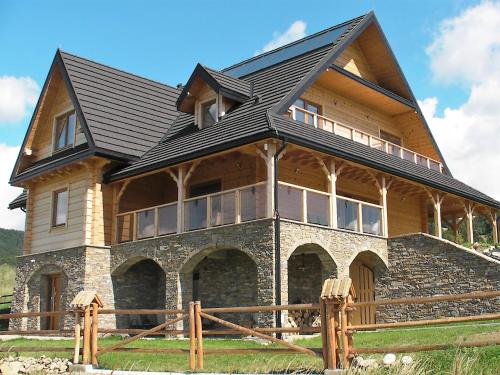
<point>310,109</point>
<point>208,113</point>
<point>60,208</point>
<point>65,131</point>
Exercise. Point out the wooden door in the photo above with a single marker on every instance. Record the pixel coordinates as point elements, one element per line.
<point>54,299</point>
<point>363,281</point>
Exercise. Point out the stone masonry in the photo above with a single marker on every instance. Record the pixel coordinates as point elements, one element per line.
<point>235,265</point>
<point>421,265</point>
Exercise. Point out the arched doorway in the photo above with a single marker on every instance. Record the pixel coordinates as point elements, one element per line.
<point>222,278</point>
<point>308,267</point>
<point>139,284</point>
<point>363,271</point>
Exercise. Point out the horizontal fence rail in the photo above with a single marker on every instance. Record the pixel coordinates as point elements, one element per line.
<point>336,329</point>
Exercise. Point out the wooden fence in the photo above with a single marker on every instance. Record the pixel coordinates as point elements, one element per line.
<point>337,331</point>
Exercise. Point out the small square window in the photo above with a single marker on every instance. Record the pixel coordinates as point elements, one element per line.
<point>208,113</point>
<point>60,208</point>
<point>65,130</point>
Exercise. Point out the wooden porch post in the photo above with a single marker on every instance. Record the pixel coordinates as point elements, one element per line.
<point>383,198</point>
<point>438,228</point>
<point>469,212</point>
<point>271,170</point>
<point>436,201</point>
<point>332,189</point>
<point>494,226</point>
<point>180,199</point>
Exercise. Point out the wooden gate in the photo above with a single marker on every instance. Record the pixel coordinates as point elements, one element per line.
<point>363,281</point>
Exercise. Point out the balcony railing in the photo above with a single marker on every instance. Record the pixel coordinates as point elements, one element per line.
<point>248,203</point>
<point>338,128</point>
<point>311,206</point>
<point>227,207</point>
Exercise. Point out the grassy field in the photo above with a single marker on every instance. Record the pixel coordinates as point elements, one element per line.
<point>7,279</point>
<point>481,361</point>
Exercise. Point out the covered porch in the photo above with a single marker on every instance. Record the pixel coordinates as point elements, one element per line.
<point>239,186</point>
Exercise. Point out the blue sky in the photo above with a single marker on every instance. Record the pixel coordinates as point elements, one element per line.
<point>448,49</point>
<point>163,40</point>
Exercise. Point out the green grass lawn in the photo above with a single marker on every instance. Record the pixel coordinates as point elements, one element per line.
<point>485,361</point>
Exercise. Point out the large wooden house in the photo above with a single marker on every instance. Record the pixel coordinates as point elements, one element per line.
<point>245,186</point>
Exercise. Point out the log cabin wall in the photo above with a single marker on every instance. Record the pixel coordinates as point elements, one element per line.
<point>233,170</point>
<point>43,236</point>
<point>353,60</point>
<point>350,113</point>
<point>57,103</point>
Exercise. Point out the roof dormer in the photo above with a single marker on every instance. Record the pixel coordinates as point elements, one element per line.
<point>209,95</point>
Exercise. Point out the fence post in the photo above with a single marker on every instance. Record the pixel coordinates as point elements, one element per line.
<point>324,332</point>
<point>78,329</point>
<point>95,331</point>
<point>86,336</point>
<point>199,334</point>
<point>343,334</point>
<point>192,337</point>
<point>331,335</point>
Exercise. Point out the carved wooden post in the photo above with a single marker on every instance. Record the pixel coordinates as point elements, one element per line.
<point>271,170</point>
<point>199,334</point>
<point>78,329</point>
<point>95,331</point>
<point>469,212</point>
<point>86,336</point>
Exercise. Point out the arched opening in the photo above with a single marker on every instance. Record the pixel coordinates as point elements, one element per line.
<point>139,284</point>
<point>363,271</point>
<point>308,267</point>
<point>47,291</point>
<point>222,278</point>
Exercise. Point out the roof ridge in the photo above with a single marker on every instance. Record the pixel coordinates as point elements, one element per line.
<point>118,69</point>
<point>294,42</point>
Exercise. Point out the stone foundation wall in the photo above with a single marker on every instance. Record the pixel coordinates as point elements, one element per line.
<point>178,256</point>
<point>421,265</point>
<point>336,250</point>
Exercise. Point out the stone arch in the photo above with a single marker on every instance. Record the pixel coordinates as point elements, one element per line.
<point>308,266</point>
<point>221,277</point>
<point>139,283</point>
<point>47,290</point>
<point>365,270</point>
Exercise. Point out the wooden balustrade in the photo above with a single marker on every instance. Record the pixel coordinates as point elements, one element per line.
<point>325,123</point>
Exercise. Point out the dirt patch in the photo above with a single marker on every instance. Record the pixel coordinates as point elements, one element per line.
<point>493,336</point>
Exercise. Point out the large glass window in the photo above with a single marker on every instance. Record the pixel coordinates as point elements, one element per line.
<point>65,130</point>
<point>208,113</point>
<point>60,208</point>
<point>309,107</point>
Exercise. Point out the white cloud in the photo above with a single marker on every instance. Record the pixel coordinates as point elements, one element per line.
<point>466,50</point>
<point>17,96</point>
<point>9,219</point>
<point>297,30</point>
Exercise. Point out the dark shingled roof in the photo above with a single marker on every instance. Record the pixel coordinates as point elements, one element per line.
<point>336,145</point>
<point>138,118</point>
<point>124,113</point>
<point>230,83</point>
<point>20,201</point>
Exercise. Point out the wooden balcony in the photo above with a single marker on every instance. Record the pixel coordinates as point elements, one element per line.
<point>311,206</point>
<point>345,131</point>
<point>249,203</point>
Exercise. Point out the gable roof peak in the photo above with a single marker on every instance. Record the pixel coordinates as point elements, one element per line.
<point>233,88</point>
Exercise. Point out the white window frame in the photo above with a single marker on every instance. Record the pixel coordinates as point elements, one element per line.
<point>54,129</point>
<point>199,106</point>
<point>53,225</point>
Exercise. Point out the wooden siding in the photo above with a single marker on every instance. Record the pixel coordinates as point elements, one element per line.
<point>45,238</point>
<point>56,103</point>
<point>353,60</point>
<point>89,210</point>
<point>350,113</point>
<point>404,214</point>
